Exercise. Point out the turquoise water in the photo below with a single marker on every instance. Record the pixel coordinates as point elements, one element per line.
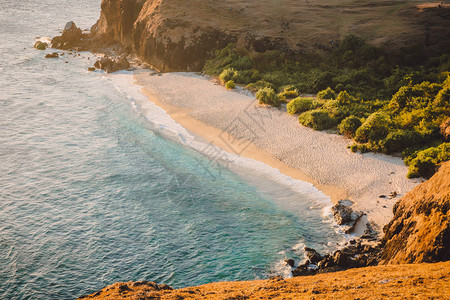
<point>91,193</point>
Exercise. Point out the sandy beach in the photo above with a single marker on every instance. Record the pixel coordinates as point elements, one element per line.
<point>235,122</point>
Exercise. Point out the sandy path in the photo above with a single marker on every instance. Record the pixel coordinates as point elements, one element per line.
<point>235,122</point>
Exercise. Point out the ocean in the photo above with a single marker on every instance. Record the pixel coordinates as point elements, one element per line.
<point>95,190</point>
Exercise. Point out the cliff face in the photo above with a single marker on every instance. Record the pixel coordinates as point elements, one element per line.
<point>420,229</point>
<point>176,35</point>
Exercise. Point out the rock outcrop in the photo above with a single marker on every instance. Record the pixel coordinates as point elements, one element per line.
<point>420,229</point>
<point>354,255</point>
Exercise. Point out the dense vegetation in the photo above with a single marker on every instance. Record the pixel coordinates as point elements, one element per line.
<point>395,103</point>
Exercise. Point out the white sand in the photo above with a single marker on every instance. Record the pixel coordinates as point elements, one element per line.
<point>270,135</point>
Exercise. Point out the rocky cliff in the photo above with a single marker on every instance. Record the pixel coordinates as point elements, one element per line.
<point>420,229</point>
<point>177,35</point>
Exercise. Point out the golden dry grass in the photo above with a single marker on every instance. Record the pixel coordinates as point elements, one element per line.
<point>419,281</point>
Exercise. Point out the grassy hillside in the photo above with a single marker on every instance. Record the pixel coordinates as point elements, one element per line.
<point>387,282</point>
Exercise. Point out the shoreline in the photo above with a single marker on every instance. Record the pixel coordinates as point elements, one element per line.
<point>211,135</point>
<point>198,106</point>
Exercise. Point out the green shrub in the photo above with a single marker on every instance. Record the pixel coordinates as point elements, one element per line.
<point>299,105</point>
<point>442,98</point>
<point>267,96</point>
<point>243,77</point>
<point>339,87</point>
<point>317,119</point>
<point>230,85</point>
<point>414,97</point>
<point>256,86</point>
<point>326,94</point>
<point>345,99</point>
<point>227,75</point>
<point>375,128</point>
<point>399,140</point>
<point>426,162</point>
<point>353,147</point>
<point>349,125</point>
<point>288,92</point>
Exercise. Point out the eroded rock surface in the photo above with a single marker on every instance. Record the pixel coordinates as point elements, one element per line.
<point>420,229</point>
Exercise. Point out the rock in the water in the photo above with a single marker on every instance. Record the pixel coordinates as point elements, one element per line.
<point>52,55</point>
<point>110,66</point>
<point>69,38</point>
<point>344,215</point>
<point>290,262</point>
<point>313,256</point>
<point>92,69</point>
<point>40,45</point>
<point>71,33</point>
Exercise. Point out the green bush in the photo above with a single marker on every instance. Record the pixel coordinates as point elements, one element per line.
<point>339,87</point>
<point>442,98</point>
<point>399,140</point>
<point>299,105</point>
<point>267,96</point>
<point>353,147</point>
<point>375,128</point>
<point>426,162</point>
<point>345,99</point>
<point>414,97</point>
<point>227,75</point>
<point>256,86</point>
<point>288,92</point>
<point>230,85</point>
<point>349,125</point>
<point>317,119</point>
<point>326,94</point>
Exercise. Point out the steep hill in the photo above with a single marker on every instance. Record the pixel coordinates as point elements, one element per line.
<point>180,34</point>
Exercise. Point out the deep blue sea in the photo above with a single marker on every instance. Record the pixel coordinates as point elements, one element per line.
<point>92,192</point>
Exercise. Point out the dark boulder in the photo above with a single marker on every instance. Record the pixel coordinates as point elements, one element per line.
<point>345,216</point>
<point>71,33</point>
<point>290,262</point>
<point>52,55</point>
<point>123,63</point>
<point>40,45</point>
<point>92,69</point>
<point>313,256</point>
<point>70,37</point>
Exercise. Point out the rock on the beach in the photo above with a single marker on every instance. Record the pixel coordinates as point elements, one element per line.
<point>40,45</point>
<point>52,55</point>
